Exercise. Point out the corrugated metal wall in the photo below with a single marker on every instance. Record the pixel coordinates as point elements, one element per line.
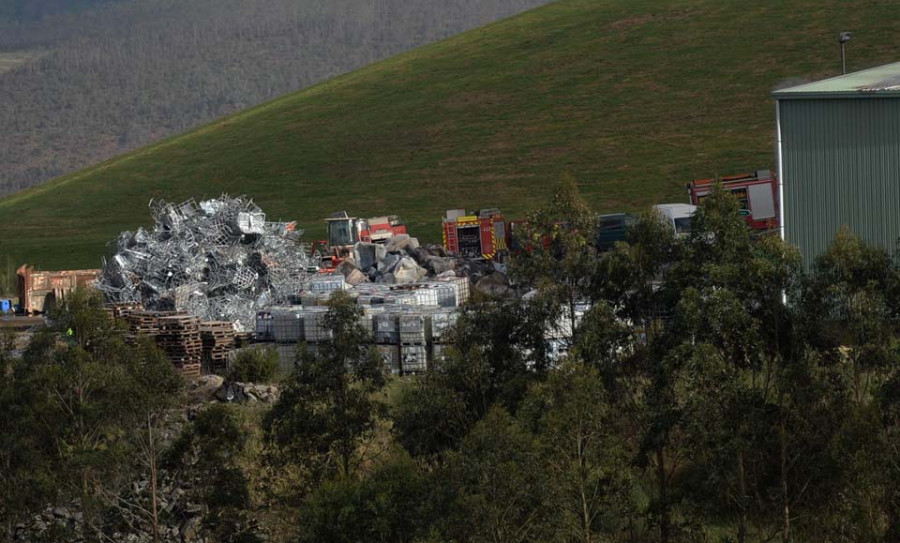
<point>841,166</point>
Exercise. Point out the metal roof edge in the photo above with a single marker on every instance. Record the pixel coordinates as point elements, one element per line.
<point>779,95</point>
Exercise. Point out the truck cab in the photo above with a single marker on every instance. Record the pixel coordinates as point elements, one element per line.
<point>678,216</point>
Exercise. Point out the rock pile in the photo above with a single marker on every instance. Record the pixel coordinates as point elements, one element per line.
<point>403,261</point>
<point>247,393</point>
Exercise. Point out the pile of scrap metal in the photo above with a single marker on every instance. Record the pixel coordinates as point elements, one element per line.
<point>219,260</point>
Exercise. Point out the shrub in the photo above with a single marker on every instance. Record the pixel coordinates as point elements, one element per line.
<point>254,366</point>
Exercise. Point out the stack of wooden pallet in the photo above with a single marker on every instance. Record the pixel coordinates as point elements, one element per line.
<point>179,337</point>
<point>120,310</point>
<point>144,323</point>
<point>218,340</point>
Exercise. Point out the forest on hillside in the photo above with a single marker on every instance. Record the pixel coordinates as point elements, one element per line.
<point>715,391</point>
<point>35,10</point>
<point>78,87</point>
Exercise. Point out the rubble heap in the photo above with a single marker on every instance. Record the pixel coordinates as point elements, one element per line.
<point>219,260</point>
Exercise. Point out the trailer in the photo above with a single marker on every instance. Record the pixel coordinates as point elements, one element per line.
<point>40,290</point>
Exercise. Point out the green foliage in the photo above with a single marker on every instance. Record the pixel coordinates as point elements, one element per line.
<point>210,451</point>
<point>254,366</point>
<point>430,416</point>
<point>327,405</point>
<point>586,460</point>
<point>559,255</point>
<point>393,503</point>
<point>496,351</point>
<point>80,404</point>
<point>850,296</point>
<point>498,484</point>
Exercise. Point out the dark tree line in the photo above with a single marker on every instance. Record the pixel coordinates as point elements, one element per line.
<point>107,80</point>
<point>715,390</point>
<point>34,10</point>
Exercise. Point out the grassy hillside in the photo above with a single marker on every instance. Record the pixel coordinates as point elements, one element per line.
<point>633,97</point>
<point>80,88</point>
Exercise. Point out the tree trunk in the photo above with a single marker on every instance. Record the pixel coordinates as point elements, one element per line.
<point>85,506</point>
<point>663,497</point>
<point>786,502</point>
<point>153,497</point>
<point>742,503</point>
<point>582,482</point>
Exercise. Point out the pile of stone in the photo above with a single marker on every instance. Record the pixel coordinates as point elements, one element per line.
<point>235,392</point>
<point>403,261</point>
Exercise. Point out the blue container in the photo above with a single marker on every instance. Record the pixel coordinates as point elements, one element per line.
<point>5,306</point>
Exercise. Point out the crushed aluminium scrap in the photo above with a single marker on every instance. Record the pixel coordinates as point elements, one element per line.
<point>219,259</point>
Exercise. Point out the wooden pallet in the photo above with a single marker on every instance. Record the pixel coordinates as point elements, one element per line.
<point>191,369</point>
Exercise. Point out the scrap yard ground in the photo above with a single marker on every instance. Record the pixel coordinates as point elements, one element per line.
<point>634,98</point>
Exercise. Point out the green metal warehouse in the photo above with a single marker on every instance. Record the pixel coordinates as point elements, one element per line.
<point>839,159</point>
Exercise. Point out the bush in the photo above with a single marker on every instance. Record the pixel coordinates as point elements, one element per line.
<point>254,366</point>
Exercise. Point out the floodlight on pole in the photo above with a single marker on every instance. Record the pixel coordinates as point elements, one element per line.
<point>843,38</point>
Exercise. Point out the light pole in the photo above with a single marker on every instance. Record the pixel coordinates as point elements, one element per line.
<point>843,38</point>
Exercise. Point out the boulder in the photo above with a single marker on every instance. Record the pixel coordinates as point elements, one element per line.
<point>380,252</point>
<point>422,256</point>
<point>356,277</point>
<point>205,388</point>
<point>346,267</point>
<point>387,279</point>
<point>437,250</point>
<point>495,284</point>
<point>365,255</point>
<point>407,271</point>
<point>402,242</point>
<point>231,393</point>
<point>386,264</point>
<point>442,265</point>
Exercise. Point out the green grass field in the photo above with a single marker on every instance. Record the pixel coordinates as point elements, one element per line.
<point>634,97</point>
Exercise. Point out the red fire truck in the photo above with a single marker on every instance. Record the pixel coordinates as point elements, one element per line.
<point>757,193</point>
<point>478,235</point>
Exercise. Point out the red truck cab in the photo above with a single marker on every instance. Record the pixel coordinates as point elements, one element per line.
<point>757,193</point>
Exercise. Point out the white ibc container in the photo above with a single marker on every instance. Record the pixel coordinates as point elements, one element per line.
<point>413,359</point>
<point>441,322</point>
<point>367,320</point>
<point>387,328</point>
<point>327,284</point>
<point>287,325</point>
<point>314,328</point>
<point>437,352</point>
<point>426,296</point>
<point>391,356</point>
<point>415,327</point>
<point>460,286</point>
<point>264,327</point>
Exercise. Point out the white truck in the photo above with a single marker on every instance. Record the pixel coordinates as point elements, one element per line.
<point>678,215</point>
